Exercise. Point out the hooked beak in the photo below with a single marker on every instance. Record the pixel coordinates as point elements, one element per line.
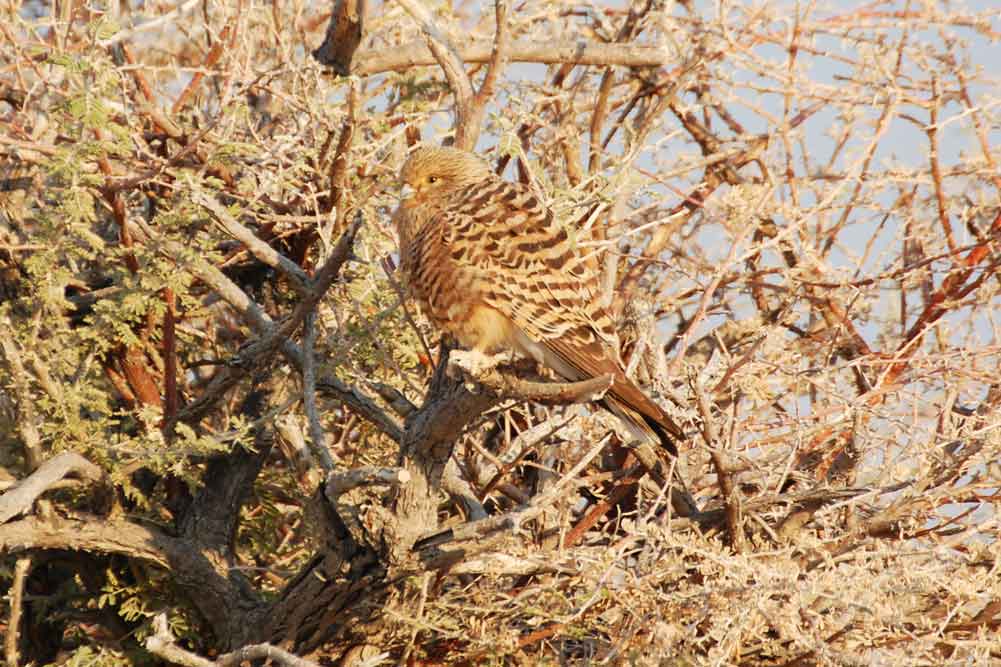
<point>407,191</point>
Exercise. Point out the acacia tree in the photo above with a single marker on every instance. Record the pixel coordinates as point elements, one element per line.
<point>225,430</point>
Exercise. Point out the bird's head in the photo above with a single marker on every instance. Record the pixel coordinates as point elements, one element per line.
<point>435,173</point>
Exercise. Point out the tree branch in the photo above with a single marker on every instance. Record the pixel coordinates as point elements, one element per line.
<point>416,54</point>
<point>342,482</point>
<point>22,398</point>
<point>451,63</point>
<point>344,34</point>
<point>20,499</point>
<point>163,644</point>
<point>316,432</point>
<point>297,278</point>
<point>473,116</point>
<point>22,568</point>
<point>225,600</point>
<point>507,383</point>
<point>275,336</point>
<point>514,520</point>
<point>97,534</point>
<point>730,495</point>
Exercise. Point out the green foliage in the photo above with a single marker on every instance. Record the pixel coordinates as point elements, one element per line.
<point>89,655</point>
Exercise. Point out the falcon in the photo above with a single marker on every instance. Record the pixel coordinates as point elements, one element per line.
<point>489,264</point>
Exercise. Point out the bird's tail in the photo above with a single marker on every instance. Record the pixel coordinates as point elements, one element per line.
<point>644,418</point>
<point>650,425</point>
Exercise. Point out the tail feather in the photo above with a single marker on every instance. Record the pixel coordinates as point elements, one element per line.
<point>646,421</point>
<point>652,426</point>
<point>644,418</point>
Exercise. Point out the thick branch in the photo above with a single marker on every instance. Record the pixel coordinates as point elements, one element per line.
<point>101,535</point>
<point>222,597</point>
<point>20,499</point>
<point>416,54</point>
<point>344,33</point>
<point>426,446</point>
<point>341,482</point>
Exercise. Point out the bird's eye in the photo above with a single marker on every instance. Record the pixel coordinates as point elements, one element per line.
<point>432,179</point>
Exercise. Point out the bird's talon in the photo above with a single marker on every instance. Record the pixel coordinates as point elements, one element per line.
<point>476,363</point>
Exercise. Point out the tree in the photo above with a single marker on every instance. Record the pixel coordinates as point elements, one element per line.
<point>226,434</point>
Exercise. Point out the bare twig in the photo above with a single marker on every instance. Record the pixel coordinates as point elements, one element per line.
<point>526,442</point>
<point>626,32</point>
<point>276,337</point>
<point>338,173</point>
<point>960,282</point>
<point>625,486</point>
<point>936,170</point>
<point>978,124</point>
<point>224,41</point>
<point>515,520</point>
<point>675,365</point>
<point>261,250</point>
<point>473,116</point>
<point>448,58</point>
<point>395,284</point>
<point>728,490</point>
<point>151,24</point>
<point>499,564</point>
<point>22,567</point>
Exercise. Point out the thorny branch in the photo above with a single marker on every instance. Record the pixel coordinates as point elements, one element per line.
<point>656,159</point>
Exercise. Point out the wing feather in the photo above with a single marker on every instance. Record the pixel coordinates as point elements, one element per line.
<point>525,266</point>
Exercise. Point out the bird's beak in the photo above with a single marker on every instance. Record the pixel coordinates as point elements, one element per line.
<point>407,191</point>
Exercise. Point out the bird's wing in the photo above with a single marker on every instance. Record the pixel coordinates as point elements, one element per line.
<point>526,267</point>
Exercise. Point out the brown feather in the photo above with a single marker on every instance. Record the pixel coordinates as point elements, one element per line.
<point>489,263</point>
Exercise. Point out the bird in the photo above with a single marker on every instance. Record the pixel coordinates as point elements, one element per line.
<point>489,263</point>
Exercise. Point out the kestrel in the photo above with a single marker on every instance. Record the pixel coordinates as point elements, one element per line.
<point>490,264</point>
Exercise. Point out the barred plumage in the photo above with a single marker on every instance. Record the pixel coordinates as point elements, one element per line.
<point>489,263</point>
